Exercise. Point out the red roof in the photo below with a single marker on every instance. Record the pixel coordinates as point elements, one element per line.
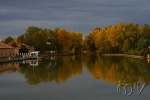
<point>5,46</point>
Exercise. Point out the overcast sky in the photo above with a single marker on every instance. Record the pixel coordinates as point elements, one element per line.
<point>73,15</point>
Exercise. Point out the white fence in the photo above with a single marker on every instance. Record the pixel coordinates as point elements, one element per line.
<point>24,55</point>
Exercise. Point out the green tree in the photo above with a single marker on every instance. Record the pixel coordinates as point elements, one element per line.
<point>36,37</point>
<point>8,39</point>
<point>30,35</point>
<point>21,39</point>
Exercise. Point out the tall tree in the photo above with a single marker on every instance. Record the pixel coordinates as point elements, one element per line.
<point>21,39</point>
<point>8,39</point>
<point>77,43</point>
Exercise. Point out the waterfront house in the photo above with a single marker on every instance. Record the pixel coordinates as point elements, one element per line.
<point>9,52</point>
<point>18,46</point>
<point>6,50</point>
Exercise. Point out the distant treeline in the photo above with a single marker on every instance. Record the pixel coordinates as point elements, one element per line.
<point>43,40</point>
<point>123,38</point>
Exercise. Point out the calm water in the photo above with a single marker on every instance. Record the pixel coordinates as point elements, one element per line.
<point>82,77</point>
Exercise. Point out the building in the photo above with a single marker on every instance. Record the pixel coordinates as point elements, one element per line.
<point>10,53</point>
<point>18,46</point>
<point>6,51</point>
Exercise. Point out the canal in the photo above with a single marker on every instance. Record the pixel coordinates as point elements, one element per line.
<point>81,77</point>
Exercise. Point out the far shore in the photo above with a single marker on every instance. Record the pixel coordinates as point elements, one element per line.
<point>125,55</point>
<point>11,59</point>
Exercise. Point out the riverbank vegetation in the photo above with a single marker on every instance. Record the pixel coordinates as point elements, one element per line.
<point>124,38</point>
<point>61,40</point>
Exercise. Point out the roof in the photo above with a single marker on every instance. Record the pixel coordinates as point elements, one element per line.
<point>5,46</point>
<point>27,46</point>
<point>19,45</point>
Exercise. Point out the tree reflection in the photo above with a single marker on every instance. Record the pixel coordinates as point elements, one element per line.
<point>60,69</point>
<point>115,69</point>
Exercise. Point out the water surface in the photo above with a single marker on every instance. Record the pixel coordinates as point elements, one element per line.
<point>82,77</point>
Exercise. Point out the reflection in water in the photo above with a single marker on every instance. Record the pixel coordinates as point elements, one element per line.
<point>9,67</point>
<point>34,62</point>
<point>115,69</point>
<point>60,69</point>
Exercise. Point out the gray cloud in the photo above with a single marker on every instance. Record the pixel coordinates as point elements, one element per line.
<point>77,15</point>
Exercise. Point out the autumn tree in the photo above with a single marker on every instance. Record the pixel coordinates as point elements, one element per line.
<point>77,42</point>
<point>101,42</point>
<point>127,38</point>
<point>90,39</point>
<point>64,39</point>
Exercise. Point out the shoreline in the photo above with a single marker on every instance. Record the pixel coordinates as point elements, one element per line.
<point>126,55</point>
<point>8,59</point>
<point>63,54</point>
<point>12,59</point>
